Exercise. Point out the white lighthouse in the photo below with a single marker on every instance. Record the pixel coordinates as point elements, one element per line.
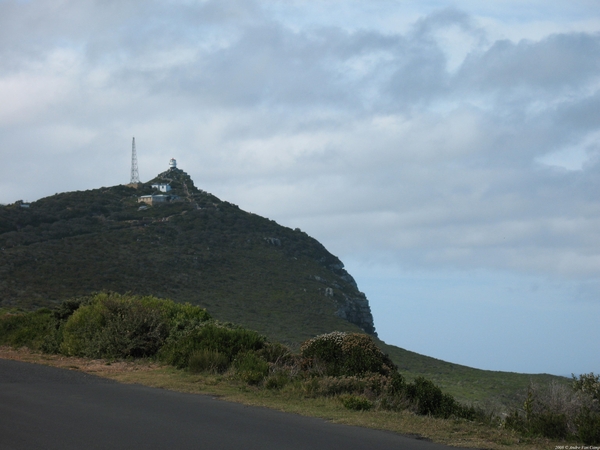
<point>172,164</point>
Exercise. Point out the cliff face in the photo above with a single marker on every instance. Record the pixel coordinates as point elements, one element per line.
<point>356,310</point>
<point>352,306</point>
<point>242,267</point>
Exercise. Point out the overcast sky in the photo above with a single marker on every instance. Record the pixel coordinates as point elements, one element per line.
<point>447,152</point>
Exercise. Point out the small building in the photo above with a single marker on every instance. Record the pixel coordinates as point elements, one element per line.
<point>153,199</point>
<point>172,164</point>
<point>162,187</point>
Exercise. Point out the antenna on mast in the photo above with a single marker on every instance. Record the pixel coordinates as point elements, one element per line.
<point>135,176</point>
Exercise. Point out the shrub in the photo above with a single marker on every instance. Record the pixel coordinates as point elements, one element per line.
<point>555,411</point>
<point>587,383</point>
<point>515,421</point>
<point>183,317</point>
<point>211,336</point>
<point>53,339</point>
<point>348,354</point>
<point>113,325</point>
<point>549,424</point>
<point>356,403</point>
<point>68,307</point>
<point>428,399</point>
<point>26,328</point>
<point>393,403</point>
<point>331,386</point>
<point>250,367</point>
<point>115,328</point>
<point>476,414</point>
<point>588,426</point>
<point>374,385</point>
<point>276,353</point>
<point>277,380</point>
<point>206,360</point>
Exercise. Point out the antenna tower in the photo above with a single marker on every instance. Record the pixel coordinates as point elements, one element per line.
<point>135,176</point>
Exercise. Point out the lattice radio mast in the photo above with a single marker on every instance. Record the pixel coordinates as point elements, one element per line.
<point>135,176</point>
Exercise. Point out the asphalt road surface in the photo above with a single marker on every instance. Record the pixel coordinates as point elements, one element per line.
<point>48,408</point>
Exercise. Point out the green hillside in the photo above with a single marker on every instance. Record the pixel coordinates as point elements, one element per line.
<point>241,267</point>
<point>493,389</point>
<point>196,248</point>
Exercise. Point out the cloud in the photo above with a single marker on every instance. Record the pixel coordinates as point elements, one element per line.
<point>435,143</point>
<point>557,64</point>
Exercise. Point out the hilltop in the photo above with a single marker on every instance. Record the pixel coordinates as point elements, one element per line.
<point>193,247</point>
<point>190,246</point>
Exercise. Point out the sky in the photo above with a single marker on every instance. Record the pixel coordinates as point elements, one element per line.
<point>447,152</point>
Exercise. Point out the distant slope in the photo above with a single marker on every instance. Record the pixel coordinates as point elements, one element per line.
<point>242,267</point>
<point>484,387</point>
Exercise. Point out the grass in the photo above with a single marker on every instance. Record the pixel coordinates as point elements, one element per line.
<point>452,432</point>
<point>491,389</point>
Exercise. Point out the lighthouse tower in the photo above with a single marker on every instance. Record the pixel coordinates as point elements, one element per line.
<point>172,164</point>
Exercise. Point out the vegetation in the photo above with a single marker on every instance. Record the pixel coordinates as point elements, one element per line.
<point>559,412</point>
<point>346,367</point>
<point>338,354</point>
<point>200,250</point>
<point>26,329</point>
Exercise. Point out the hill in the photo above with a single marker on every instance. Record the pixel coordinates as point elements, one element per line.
<point>193,247</point>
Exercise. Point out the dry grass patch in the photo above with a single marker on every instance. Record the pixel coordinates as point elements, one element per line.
<point>101,367</point>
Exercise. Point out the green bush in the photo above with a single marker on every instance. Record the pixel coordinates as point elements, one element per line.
<point>557,412</point>
<point>206,360</point>
<point>53,341</point>
<point>276,353</point>
<point>113,325</point>
<point>211,336</point>
<point>183,317</point>
<point>588,426</point>
<point>277,380</point>
<point>348,354</point>
<point>515,421</point>
<point>68,307</point>
<point>587,383</point>
<point>549,424</point>
<point>476,414</point>
<point>428,399</point>
<point>26,328</point>
<point>393,403</point>
<point>250,367</point>
<point>356,403</point>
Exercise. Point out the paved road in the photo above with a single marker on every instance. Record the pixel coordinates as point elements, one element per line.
<point>48,408</point>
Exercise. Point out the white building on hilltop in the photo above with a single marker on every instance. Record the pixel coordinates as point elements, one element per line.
<point>162,187</point>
